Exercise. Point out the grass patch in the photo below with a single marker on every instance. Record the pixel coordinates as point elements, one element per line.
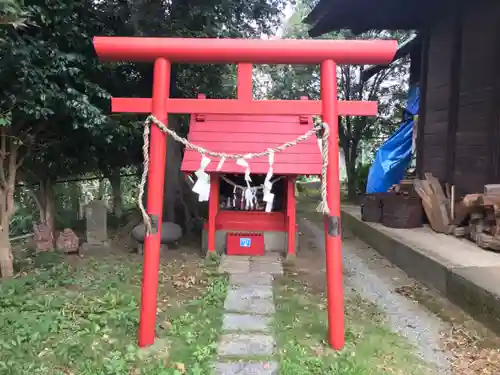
<point>301,329</point>
<point>83,318</point>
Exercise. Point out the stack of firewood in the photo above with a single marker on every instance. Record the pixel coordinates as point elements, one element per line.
<point>475,216</point>
<point>478,218</point>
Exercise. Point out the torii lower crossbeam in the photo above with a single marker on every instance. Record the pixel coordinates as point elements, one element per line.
<point>164,51</point>
<point>239,107</point>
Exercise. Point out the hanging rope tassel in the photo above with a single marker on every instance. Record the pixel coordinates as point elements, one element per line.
<point>323,205</point>
<point>321,130</point>
<point>145,167</point>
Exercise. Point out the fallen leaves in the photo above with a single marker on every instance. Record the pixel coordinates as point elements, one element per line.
<point>469,355</point>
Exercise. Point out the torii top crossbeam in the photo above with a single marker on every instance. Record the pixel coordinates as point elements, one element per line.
<point>256,51</point>
<point>164,51</point>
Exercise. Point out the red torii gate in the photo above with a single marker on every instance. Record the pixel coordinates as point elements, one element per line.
<point>164,51</point>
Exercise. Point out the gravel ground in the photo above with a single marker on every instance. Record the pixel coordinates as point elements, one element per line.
<point>407,318</point>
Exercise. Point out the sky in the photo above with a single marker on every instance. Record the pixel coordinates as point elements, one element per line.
<point>286,15</point>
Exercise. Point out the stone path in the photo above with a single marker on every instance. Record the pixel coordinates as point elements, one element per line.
<point>249,309</point>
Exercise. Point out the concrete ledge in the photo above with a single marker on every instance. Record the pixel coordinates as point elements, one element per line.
<point>466,274</point>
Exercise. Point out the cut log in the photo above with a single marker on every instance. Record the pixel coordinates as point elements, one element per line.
<point>437,214</point>
<point>486,241</point>
<point>471,200</point>
<point>492,189</point>
<point>460,231</point>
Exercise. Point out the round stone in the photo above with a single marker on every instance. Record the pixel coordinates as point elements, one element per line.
<point>170,232</point>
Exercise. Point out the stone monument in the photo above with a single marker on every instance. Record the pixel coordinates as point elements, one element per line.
<point>43,237</point>
<point>96,220</point>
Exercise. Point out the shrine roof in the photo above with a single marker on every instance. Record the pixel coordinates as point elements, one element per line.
<point>253,133</point>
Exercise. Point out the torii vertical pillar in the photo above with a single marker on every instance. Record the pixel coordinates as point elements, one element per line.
<point>333,242</point>
<point>156,183</point>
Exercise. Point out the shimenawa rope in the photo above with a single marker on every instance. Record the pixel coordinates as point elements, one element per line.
<point>322,130</point>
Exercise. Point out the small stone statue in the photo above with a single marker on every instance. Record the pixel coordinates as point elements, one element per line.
<point>68,242</point>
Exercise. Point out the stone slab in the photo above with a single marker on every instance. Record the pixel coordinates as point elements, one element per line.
<point>256,292</point>
<point>261,368</point>
<point>274,268</point>
<point>268,257</point>
<point>250,279</point>
<point>249,323</point>
<point>250,306</point>
<point>246,345</point>
<point>235,265</point>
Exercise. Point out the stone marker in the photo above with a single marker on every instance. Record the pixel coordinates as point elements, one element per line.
<point>96,219</point>
<point>67,241</point>
<point>43,237</point>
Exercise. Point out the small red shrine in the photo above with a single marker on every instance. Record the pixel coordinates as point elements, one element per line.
<point>235,225</point>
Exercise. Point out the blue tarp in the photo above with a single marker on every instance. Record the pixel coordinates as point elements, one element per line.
<point>394,156</point>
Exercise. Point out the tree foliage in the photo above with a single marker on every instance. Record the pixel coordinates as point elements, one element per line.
<point>54,103</point>
<point>386,87</point>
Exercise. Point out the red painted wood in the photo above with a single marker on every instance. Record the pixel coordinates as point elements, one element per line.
<point>279,158</point>
<point>254,136</point>
<point>333,242</point>
<point>291,218</point>
<point>250,221</point>
<point>234,107</point>
<point>257,246</point>
<point>256,127</point>
<point>213,209</point>
<point>253,145</point>
<point>244,82</point>
<point>197,136</point>
<point>257,168</point>
<point>214,118</point>
<point>155,194</point>
<point>256,51</point>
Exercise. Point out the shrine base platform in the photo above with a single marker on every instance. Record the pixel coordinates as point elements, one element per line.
<point>274,241</point>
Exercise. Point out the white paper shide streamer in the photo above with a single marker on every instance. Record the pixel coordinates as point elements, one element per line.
<point>249,193</point>
<point>268,185</point>
<point>202,185</point>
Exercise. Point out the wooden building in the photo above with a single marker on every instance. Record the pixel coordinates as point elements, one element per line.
<point>455,60</point>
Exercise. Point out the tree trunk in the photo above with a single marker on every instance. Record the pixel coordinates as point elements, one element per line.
<point>75,195</point>
<point>352,186</point>
<point>116,190</point>
<point>6,258</point>
<point>180,203</point>
<point>45,200</point>
<point>350,155</point>
<point>173,165</point>
<point>9,164</point>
